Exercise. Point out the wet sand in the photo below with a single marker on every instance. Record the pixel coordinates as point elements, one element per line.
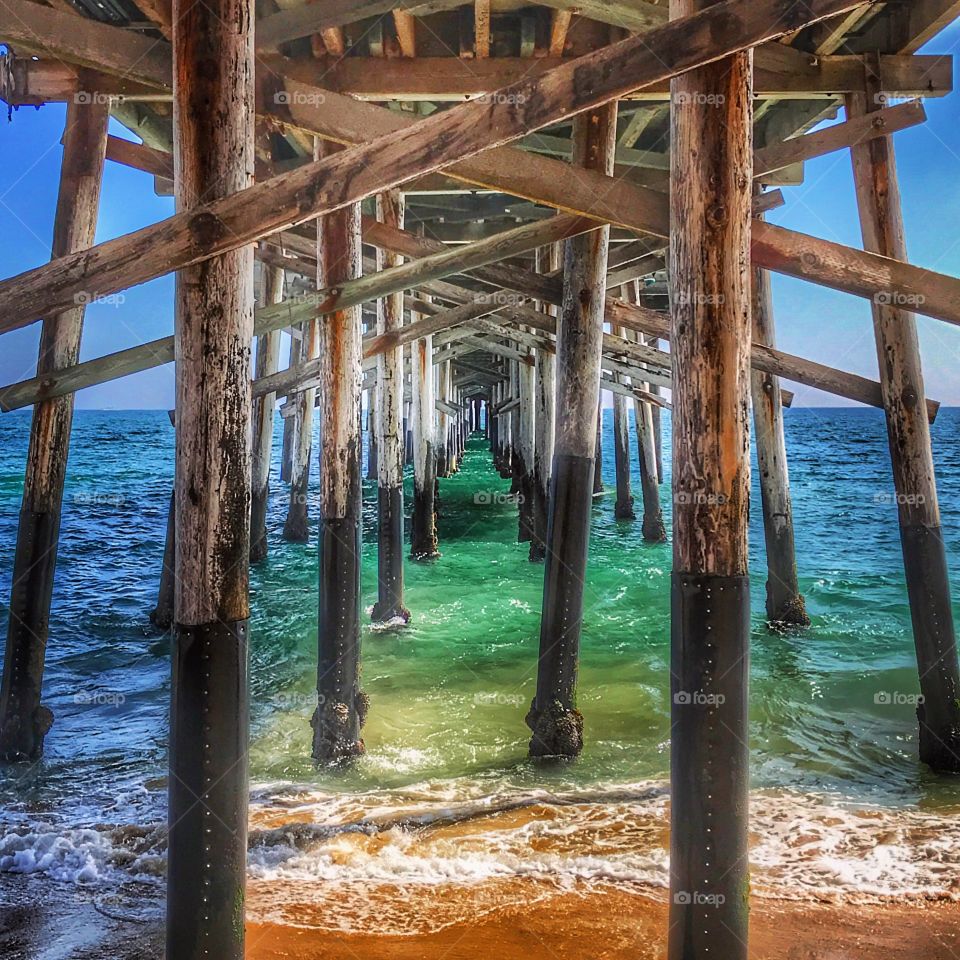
<point>40,920</point>
<point>624,926</point>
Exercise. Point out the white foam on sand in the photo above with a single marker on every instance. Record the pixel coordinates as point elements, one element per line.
<point>416,856</point>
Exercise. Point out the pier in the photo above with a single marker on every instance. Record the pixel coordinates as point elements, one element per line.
<point>410,229</point>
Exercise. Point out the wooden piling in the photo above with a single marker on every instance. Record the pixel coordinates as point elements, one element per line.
<point>24,721</point>
<point>264,408</point>
<point>296,527</point>
<point>785,605</point>
<point>598,456</point>
<point>373,452</point>
<point>342,706</point>
<point>162,614</point>
<point>548,260</point>
<point>710,205</point>
<point>290,424</point>
<point>526,444</point>
<point>653,529</point>
<point>554,719</point>
<point>390,440</point>
<point>423,533</point>
<point>623,507</point>
<point>208,787</point>
<point>911,454</point>
<point>442,423</point>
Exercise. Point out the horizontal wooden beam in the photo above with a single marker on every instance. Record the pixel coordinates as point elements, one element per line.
<point>643,320</point>
<point>434,143</point>
<point>554,183</point>
<point>319,15</point>
<point>440,262</point>
<point>452,79</point>
<point>139,64</point>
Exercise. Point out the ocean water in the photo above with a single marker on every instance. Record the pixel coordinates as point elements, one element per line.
<point>445,797</point>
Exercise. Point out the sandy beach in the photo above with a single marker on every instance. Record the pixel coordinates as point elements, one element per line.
<point>66,923</point>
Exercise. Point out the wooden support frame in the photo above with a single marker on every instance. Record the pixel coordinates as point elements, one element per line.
<point>434,143</point>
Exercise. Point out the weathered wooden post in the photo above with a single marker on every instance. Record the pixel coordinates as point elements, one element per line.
<point>598,473</point>
<point>342,706</point>
<point>208,790</point>
<point>623,507</point>
<point>548,260</point>
<point>264,408</point>
<point>516,440</point>
<point>506,429</point>
<point>785,604</point>
<point>652,527</point>
<point>911,454</point>
<point>710,201</point>
<point>24,722</point>
<point>373,450</point>
<point>296,527</point>
<point>554,719</point>
<point>390,441</point>
<point>291,425</point>
<point>526,443</point>
<point>162,614</point>
<point>442,422</point>
<point>423,531</point>
<point>407,427</point>
<point>493,423</point>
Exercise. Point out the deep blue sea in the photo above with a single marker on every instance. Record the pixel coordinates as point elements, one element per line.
<point>841,803</point>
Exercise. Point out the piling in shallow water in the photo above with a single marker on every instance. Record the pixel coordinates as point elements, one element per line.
<point>341,706</point>
<point>711,136</point>
<point>389,605</point>
<point>423,533</point>
<point>911,453</point>
<point>556,723</point>
<point>268,356</point>
<point>24,721</point>
<point>208,784</point>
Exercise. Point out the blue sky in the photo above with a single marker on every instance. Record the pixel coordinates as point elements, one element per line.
<point>821,324</point>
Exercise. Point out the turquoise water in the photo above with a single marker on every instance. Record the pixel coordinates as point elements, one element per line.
<point>449,692</point>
